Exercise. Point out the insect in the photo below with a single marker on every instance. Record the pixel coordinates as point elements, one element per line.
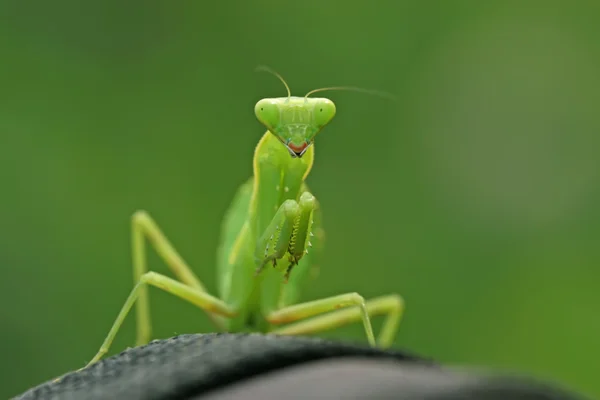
<point>271,233</point>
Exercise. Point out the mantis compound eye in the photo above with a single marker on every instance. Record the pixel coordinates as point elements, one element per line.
<point>268,114</point>
<point>323,112</point>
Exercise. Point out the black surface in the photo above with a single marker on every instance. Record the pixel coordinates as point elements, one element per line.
<point>249,366</point>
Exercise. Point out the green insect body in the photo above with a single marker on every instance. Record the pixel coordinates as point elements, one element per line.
<point>271,240</point>
<point>270,222</point>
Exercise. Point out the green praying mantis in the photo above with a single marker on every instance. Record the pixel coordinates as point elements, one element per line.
<point>271,233</point>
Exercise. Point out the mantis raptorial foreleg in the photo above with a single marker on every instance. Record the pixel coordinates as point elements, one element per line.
<point>392,306</point>
<point>197,297</point>
<point>287,232</point>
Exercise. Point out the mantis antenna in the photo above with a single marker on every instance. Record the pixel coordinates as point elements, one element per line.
<point>264,68</point>
<point>355,89</point>
<point>379,93</point>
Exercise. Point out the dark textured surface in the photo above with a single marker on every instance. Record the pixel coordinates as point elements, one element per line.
<point>185,364</point>
<point>220,366</point>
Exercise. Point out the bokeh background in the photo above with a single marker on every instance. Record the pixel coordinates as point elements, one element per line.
<point>475,195</point>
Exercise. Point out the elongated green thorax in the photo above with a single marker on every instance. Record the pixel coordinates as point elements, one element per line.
<point>277,177</point>
<point>295,121</point>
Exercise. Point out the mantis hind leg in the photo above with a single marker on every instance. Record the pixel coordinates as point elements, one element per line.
<point>143,226</point>
<point>391,305</point>
<point>306,310</point>
<point>187,287</point>
<point>197,297</point>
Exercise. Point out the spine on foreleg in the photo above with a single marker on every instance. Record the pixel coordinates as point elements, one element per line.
<point>300,237</point>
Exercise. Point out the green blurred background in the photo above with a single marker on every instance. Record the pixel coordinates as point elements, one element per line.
<point>474,195</point>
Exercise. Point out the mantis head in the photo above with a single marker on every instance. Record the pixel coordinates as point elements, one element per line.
<point>295,121</point>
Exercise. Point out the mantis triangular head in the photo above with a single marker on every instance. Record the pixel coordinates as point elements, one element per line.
<point>295,121</point>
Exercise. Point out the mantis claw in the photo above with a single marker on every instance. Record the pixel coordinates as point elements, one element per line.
<point>286,277</point>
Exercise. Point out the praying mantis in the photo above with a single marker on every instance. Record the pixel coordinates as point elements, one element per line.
<point>271,239</point>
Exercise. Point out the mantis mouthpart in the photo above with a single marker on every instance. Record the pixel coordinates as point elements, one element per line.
<point>271,241</point>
